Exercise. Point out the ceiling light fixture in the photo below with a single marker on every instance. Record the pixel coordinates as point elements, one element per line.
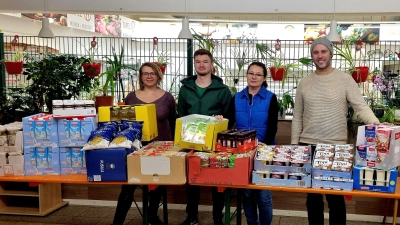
<point>333,34</point>
<point>45,32</point>
<point>185,32</point>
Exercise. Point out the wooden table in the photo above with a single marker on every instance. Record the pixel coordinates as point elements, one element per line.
<point>82,179</point>
<point>395,196</point>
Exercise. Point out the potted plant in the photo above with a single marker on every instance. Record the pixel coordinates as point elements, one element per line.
<point>55,77</point>
<point>90,66</point>
<point>114,73</point>
<point>162,60</point>
<point>14,64</point>
<point>359,73</point>
<point>285,103</point>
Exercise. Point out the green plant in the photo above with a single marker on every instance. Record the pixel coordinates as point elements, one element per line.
<point>55,77</point>
<point>345,53</point>
<point>278,62</point>
<point>285,102</point>
<point>209,44</point>
<point>163,58</point>
<point>16,100</point>
<point>116,63</point>
<point>91,51</point>
<point>18,56</point>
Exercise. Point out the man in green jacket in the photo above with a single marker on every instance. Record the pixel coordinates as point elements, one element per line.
<point>203,94</point>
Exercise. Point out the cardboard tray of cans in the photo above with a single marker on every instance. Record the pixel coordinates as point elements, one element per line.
<point>283,158</point>
<point>236,141</point>
<point>376,180</point>
<point>332,167</point>
<point>377,146</point>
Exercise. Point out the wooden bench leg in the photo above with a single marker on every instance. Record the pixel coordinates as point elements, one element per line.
<point>386,211</point>
<point>396,205</point>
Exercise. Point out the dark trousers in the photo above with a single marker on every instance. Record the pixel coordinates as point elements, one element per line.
<point>315,209</point>
<point>315,206</point>
<point>125,200</point>
<point>193,201</point>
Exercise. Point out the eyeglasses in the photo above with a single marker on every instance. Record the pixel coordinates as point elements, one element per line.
<point>258,75</point>
<point>152,74</point>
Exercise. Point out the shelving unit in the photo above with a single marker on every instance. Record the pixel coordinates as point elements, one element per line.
<point>23,198</point>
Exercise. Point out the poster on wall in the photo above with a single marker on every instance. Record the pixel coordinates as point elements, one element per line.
<point>159,30</point>
<point>108,25</point>
<point>315,31</point>
<point>81,21</point>
<point>128,27</point>
<point>364,32</point>
<point>54,18</point>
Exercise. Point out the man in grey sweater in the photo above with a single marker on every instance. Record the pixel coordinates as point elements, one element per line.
<point>322,100</point>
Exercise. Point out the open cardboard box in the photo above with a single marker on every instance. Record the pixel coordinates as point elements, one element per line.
<point>212,129</point>
<point>239,175</point>
<point>145,113</point>
<point>157,169</point>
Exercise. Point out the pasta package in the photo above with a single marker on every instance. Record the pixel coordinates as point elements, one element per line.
<point>100,138</point>
<point>123,139</point>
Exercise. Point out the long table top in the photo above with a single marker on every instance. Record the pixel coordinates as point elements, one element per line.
<point>82,179</point>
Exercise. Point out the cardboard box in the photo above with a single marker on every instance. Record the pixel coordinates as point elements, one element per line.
<point>75,132</point>
<point>331,174</point>
<point>392,159</point>
<point>72,160</point>
<point>260,165</point>
<point>42,160</point>
<point>157,169</point>
<point>240,149</point>
<point>107,164</point>
<point>14,167</point>
<point>211,135</point>
<point>29,132</point>
<point>260,179</point>
<point>145,113</point>
<point>239,175</point>
<point>389,183</point>
<point>336,185</point>
<point>71,112</point>
<point>18,144</point>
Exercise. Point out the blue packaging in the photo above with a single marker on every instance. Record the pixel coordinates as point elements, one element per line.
<point>41,157</point>
<point>370,134</point>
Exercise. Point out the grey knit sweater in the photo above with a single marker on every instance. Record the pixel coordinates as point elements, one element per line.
<point>321,108</point>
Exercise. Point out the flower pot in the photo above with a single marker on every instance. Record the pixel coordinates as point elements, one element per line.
<point>104,101</point>
<point>91,69</point>
<point>277,74</point>
<point>361,74</point>
<point>121,103</point>
<point>13,67</point>
<point>162,68</point>
<point>379,113</point>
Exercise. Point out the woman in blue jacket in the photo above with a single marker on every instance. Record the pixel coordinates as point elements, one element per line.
<point>256,108</point>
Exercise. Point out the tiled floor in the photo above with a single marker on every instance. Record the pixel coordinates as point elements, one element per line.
<point>102,215</point>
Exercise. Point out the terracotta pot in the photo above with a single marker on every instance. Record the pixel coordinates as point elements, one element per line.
<point>121,103</point>
<point>361,74</point>
<point>104,101</point>
<point>91,69</point>
<point>277,74</point>
<point>162,68</point>
<point>13,67</point>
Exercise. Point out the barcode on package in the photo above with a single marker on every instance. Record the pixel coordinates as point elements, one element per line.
<point>300,183</point>
<point>300,170</point>
<point>97,177</point>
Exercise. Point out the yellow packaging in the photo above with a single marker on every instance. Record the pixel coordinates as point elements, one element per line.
<point>145,113</point>
<point>212,129</point>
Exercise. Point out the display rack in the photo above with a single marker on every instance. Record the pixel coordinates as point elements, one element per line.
<point>24,198</point>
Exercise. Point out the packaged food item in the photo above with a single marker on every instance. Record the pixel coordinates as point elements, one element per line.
<point>3,136</point>
<point>344,148</point>
<point>362,151</point>
<point>344,156</point>
<point>382,143</point>
<point>296,176</point>
<point>342,166</point>
<point>123,139</point>
<point>41,157</point>
<point>325,147</point>
<point>134,125</point>
<point>100,138</point>
<point>325,164</point>
<point>115,114</point>
<point>370,134</point>
<point>77,158</point>
<point>372,153</point>
<point>324,155</point>
<point>278,175</point>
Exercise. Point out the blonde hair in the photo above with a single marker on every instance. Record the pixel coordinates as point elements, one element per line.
<point>155,69</point>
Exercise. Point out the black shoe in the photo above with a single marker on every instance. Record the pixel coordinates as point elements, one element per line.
<point>218,222</point>
<point>155,221</point>
<point>190,221</point>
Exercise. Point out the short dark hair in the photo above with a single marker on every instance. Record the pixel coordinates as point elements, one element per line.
<point>203,51</point>
<point>262,65</point>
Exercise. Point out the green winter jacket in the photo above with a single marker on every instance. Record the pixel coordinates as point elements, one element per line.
<point>215,100</point>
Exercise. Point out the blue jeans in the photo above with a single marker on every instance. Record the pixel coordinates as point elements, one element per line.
<point>261,199</point>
